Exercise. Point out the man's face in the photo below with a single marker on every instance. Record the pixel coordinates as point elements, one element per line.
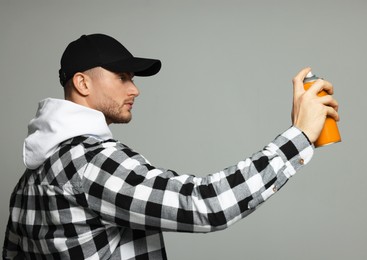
<point>113,94</point>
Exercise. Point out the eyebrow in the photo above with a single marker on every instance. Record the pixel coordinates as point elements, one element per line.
<point>130,74</point>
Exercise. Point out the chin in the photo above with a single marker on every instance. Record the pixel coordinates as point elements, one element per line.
<point>122,120</point>
<point>118,119</point>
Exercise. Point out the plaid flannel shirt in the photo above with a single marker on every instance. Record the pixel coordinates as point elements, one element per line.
<point>97,199</point>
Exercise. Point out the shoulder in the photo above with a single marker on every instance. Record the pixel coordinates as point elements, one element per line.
<point>110,153</point>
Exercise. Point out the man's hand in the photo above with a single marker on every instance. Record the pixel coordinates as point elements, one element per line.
<point>309,110</point>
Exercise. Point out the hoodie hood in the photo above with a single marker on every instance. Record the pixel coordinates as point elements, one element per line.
<point>56,121</point>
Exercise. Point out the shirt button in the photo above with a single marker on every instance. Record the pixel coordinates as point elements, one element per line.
<point>301,161</point>
<point>275,188</point>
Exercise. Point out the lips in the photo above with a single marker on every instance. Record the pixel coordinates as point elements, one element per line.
<point>129,104</point>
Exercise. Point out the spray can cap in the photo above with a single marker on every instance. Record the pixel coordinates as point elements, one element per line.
<point>310,77</point>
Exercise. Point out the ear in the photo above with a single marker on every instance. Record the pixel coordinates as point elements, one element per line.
<point>81,83</point>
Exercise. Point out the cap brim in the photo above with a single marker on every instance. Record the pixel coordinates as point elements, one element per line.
<point>139,66</point>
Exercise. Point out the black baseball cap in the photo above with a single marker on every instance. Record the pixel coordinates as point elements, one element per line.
<point>100,50</point>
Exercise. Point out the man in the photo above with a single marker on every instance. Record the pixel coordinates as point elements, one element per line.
<point>85,195</point>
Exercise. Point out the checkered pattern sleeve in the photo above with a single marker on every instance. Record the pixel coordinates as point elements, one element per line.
<point>126,190</point>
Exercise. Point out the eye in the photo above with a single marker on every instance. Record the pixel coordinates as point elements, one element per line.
<point>126,77</point>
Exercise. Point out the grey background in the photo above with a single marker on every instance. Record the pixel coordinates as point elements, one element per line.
<point>224,92</point>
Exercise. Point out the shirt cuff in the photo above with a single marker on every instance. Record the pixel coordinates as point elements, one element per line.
<point>294,148</point>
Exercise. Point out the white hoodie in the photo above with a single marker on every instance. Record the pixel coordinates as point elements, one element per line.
<point>57,121</point>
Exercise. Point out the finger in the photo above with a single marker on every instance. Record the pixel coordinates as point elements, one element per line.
<point>302,74</point>
<point>332,104</point>
<point>329,101</point>
<point>298,80</point>
<point>320,85</point>
<point>331,112</point>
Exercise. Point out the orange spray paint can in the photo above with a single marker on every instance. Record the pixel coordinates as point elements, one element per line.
<point>330,133</point>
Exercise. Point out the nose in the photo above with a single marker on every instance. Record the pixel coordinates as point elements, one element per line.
<point>133,90</point>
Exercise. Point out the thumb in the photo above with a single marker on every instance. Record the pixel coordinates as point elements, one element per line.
<point>298,80</point>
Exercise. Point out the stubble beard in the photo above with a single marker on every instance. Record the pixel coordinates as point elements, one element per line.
<point>114,113</point>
